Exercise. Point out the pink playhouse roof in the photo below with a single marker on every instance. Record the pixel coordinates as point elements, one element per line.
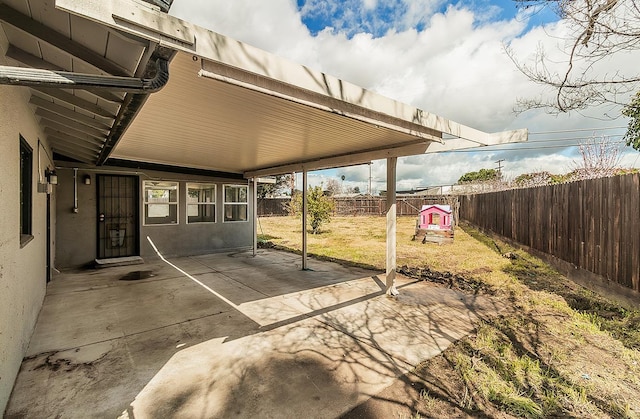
<point>442,208</point>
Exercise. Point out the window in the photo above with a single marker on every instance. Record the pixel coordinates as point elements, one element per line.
<point>235,203</point>
<point>160,203</point>
<point>201,203</point>
<point>26,167</point>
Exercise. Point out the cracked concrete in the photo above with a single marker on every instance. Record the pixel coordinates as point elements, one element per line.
<point>230,335</point>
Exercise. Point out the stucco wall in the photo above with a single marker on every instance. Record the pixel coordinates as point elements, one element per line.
<point>76,232</point>
<point>22,270</point>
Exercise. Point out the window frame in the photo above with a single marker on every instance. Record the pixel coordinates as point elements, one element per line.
<point>146,203</point>
<point>26,192</point>
<point>225,203</point>
<point>214,203</point>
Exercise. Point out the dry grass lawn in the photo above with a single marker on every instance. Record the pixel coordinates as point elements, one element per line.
<point>558,351</point>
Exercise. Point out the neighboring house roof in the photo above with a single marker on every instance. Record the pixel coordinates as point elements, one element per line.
<point>227,106</point>
<point>441,208</point>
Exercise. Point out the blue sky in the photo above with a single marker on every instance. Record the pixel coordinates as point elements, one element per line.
<point>446,58</point>
<point>378,17</point>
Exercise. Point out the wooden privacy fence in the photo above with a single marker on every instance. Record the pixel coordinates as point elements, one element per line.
<point>273,207</point>
<point>361,205</point>
<point>372,205</point>
<point>593,224</point>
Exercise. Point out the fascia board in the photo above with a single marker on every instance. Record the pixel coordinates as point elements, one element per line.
<point>350,159</point>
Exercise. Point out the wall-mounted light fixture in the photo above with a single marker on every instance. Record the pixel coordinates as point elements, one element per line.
<point>87,179</point>
<point>52,177</point>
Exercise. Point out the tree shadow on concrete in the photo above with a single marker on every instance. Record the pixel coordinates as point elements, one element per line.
<point>319,364</point>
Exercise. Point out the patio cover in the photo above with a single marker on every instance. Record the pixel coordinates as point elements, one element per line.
<point>234,108</point>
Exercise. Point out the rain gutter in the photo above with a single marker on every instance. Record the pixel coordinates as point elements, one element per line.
<point>34,77</point>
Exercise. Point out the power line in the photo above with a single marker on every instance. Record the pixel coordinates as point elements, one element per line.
<point>499,162</point>
<point>576,130</point>
<point>541,140</point>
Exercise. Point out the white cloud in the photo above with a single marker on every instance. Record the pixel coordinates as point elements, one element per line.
<point>369,4</point>
<point>373,16</point>
<point>451,63</point>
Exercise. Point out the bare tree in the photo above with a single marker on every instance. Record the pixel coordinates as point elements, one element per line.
<point>600,158</point>
<point>333,187</point>
<point>598,29</point>
<point>271,190</point>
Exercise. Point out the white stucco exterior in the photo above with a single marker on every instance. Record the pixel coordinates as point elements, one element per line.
<point>22,269</point>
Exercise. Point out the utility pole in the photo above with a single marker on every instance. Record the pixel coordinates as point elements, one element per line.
<point>499,162</point>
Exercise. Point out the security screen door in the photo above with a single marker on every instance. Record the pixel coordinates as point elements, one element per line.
<point>118,206</point>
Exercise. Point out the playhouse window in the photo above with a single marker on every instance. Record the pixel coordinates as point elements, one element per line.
<point>235,203</point>
<point>434,219</point>
<point>201,203</point>
<point>160,202</point>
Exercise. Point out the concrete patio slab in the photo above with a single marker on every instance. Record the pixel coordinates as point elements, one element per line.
<point>230,336</point>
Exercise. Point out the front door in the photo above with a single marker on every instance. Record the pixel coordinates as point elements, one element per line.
<point>117,216</point>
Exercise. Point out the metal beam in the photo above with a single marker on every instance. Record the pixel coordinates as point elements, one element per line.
<point>255,215</point>
<point>350,159</point>
<point>76,101</point>
<point>45,34</point>
<point>304,220</point>
<point>391,226</point>
<point>69,113</point>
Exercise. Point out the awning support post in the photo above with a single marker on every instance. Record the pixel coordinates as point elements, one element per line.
<point>304,220</point>
<point>391,226</point>
<point>255,215</point>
